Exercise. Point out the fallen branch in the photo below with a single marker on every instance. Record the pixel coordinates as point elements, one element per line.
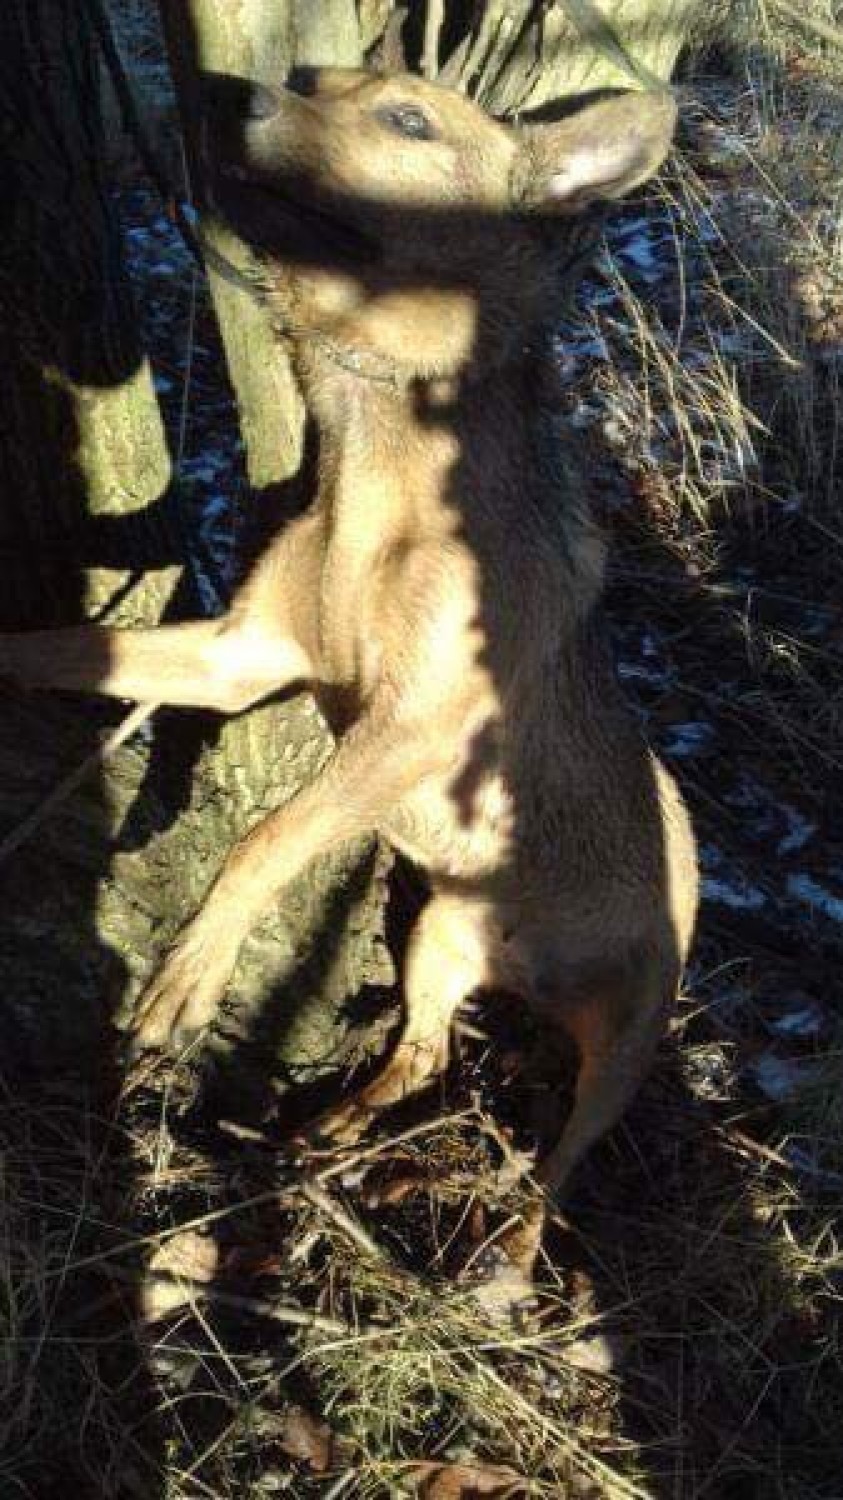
<point>344,1221</point>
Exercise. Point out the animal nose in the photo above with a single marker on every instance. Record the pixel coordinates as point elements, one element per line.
<point>261,103</point>
<point>302,80</point>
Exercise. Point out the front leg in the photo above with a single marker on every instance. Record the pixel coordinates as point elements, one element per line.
<point>225,664</point>
<point>371,769</point>
<point>183,996</point>
<point>259,647</point>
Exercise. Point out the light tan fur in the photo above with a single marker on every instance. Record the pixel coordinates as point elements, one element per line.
<point>440,597</point>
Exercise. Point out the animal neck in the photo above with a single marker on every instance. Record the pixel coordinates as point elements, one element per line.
<point>446,457</point>
<point>372,413</point>
<point>343,377</point>
<point>368,405</point>
<point>391,334</point>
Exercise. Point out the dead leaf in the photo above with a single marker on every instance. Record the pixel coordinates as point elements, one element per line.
<point>597,1353</point>
<point>465,1481</point>
<point>477,1226</point>
<point>507,1267</point>
<point>395,1188</point>
<point>177,1265</point>
<point>306,1438</point>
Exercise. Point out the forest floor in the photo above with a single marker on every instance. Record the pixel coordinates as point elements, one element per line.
<point>393,1325</point>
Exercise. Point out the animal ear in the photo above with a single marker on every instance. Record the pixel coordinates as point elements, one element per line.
<point>601,152</point>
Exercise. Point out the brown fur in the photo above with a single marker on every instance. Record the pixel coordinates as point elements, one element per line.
<point>441,595</point>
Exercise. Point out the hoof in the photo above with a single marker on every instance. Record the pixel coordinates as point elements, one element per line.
<point>180,1001</point>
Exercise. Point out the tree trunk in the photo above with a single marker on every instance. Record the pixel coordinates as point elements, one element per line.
<point>517,55</point>
<point>83,466</point>
<point>82,434</point>
<point>82,460</point>
<point>260,43</point>
<point>334,917</point>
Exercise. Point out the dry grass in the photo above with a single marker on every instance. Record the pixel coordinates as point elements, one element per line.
<point>725,388</point>
<point>342,1343</point>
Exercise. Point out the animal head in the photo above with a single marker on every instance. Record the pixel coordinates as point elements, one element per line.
<point>395,214</point>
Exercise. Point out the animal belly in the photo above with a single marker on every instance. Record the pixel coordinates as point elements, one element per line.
<point>455,831</point>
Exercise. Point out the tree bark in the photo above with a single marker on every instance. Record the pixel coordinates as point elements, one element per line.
<point>261,43</point>
<point>83,466</point>
<point>518,55</point>
<point>82,433</point>
<point>83,462</point>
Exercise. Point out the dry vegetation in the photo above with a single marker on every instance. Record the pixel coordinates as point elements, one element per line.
<point>231,1326</point>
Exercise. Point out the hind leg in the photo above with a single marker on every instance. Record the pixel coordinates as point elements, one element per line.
<point>616,1029</point>
<point>447,959</point>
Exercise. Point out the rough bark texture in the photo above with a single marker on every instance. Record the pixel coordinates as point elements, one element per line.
<point>82,459</point>
<point>517,55</point>
<point>82,462</point>
<point>82,435</point>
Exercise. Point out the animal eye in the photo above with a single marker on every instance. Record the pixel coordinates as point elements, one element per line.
<point>405,119</point>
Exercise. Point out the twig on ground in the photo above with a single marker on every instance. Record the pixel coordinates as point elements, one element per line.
<point>350,1163</point>
<point>261,1307</point>
<point>343,1220</point>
